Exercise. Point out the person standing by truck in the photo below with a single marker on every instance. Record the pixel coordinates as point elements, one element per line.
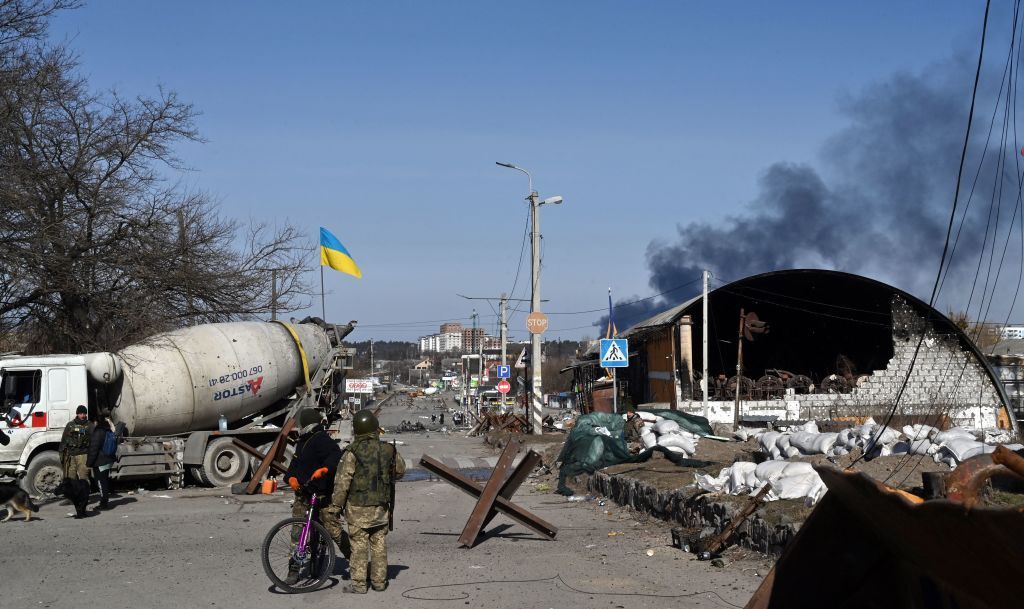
<point>102,448</point>
<point>364,487</point>
<point>74,450</point>
<point>315,463</point>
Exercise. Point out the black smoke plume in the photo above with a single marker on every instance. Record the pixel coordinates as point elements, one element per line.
<point>877,204</point>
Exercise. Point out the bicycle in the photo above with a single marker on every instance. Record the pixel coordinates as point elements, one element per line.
<point>313,556</point>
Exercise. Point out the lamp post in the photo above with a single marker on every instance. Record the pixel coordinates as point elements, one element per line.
<point>535,357</point>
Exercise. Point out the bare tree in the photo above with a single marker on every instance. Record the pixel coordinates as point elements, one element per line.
<point>99,249</point>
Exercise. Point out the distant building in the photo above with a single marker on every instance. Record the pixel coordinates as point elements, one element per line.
<point>1011,332</point>
<point>450,327</point>
<point>441,343</point>
<point>471,339</point>
<point>455,338</point>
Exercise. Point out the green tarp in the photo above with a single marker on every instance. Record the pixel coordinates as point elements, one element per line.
<point>587,450</point>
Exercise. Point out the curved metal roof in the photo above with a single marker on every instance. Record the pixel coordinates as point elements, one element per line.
<point>938,320</point>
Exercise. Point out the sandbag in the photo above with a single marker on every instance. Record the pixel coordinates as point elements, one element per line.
<point>950,434</point>
<point>647,416</point>
<point>810,427</point>
<point>742,477</point>
<point>677,441</point>
<point>963,448</point>
<point>824,442</point>
<point>649,439</point>
<point>804,440</point>
<point>745,433</point>
<point>921,447</point>
<point>799,480</point>
<point>666,426</point>
<point>769,469</point>
<point>919,431</point>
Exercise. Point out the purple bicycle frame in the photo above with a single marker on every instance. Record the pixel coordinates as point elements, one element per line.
<point>304,538</point>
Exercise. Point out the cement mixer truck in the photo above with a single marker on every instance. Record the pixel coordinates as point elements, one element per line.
<point>178,399</point>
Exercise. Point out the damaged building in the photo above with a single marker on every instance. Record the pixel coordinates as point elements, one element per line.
<point>839,345</point>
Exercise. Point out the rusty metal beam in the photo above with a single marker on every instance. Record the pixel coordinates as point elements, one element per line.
<point>716,543</point>
<point>275,465</point>
<point>274,454</point>
<point>501,504</point>
<point>966,482</point>
<point>512,484</point>
<point>485,503</point>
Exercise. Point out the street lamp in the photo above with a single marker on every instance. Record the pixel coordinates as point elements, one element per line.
<point>535,375</point>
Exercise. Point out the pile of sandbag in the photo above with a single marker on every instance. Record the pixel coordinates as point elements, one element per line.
<point>804,440</point>
<point>954,445</point>
<point>661,431</point>
<point>789,480</point>
<point>950,447</point>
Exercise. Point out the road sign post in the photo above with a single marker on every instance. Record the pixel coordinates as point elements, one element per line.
<point>504,387</point>
<point>615,355</point>
<point>504,372</point>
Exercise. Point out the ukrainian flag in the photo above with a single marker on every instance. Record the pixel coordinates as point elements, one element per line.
<point>334,254</point>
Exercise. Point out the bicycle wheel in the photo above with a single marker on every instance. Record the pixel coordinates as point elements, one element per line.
<point>314,566</point>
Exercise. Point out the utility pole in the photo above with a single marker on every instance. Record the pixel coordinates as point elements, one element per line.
<point>739,372</point>
<point>503,314</point>
<point>536,382</point>
<point>705,381</point>
<point>479,377</point>
<point>371,362</point>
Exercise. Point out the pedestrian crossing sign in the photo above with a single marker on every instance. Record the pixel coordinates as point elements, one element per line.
<point>614,353</point>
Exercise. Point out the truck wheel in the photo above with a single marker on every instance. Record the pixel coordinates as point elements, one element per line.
<point>44,474</point>
<point>289,452</point>
<point>224,463</point>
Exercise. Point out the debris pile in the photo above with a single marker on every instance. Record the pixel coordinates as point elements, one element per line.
<point>495,421</point>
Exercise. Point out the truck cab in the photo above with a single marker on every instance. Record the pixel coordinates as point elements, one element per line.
<point>38,396</point>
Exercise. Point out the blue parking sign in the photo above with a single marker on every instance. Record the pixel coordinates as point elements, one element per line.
<point>504,372</point>
<point>614,353</point>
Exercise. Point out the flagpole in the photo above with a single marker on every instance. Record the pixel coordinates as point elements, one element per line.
<point>323,302</point>
<point>615,371</point>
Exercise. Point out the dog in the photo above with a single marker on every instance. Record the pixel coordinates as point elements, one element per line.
<point>15,499</point>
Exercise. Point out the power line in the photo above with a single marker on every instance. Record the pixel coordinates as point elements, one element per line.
<point>632,302</point>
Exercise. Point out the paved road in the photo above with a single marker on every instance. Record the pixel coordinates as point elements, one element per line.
<point>200,548</point>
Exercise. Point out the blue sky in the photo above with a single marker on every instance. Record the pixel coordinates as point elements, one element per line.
<point>382,122</point>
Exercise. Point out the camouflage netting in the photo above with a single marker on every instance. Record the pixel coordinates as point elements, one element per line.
<point>587,450</point>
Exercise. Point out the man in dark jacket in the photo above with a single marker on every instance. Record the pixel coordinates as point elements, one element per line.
<point>99,462</point>
<point>74,449</point>
<point>315,463</point>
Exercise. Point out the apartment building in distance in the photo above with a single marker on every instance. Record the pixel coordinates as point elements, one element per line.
<point>453,337</point>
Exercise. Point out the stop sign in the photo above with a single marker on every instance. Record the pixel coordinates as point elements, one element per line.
<point>504,387</point>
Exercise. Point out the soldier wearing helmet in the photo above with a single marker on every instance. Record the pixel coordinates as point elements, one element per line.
<point>315,464</point>
<point>362,488</point>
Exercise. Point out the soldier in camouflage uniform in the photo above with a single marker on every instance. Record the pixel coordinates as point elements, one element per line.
<point>74,452</point>
<point>315,463</point>
<point>363,488</point>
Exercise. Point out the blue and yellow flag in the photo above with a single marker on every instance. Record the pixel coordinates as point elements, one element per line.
<point>334,255</point>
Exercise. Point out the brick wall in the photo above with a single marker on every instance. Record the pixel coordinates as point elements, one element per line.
<point>944,377</point>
